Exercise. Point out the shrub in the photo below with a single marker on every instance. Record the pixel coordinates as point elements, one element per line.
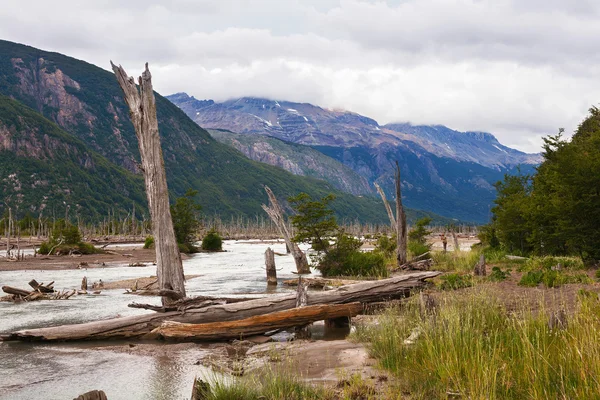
<point>548,262</point>
<point>455,281</point>
<point>212,241</point>
<point>498,275</point>
<point>346,259</point>
<point>416,248</point>
<point>149,242</point>
<point>597,275</point>
<point>386,245</point>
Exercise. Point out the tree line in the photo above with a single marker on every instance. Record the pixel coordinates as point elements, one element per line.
<point>555,211</point>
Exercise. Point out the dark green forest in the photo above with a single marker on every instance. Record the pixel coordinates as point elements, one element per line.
<point>556,210</point>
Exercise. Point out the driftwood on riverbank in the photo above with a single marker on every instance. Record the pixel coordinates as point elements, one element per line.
<point>257,324</point>
<point>140,325</point>
<point>39,292</point>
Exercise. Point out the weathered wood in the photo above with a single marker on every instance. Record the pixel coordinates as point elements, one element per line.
<point>270,267</point>
<point>257,324</point>
<point>321,282</point>
<point>455,239</point>
<point>401,234</point>
<point>275,212</point>
<point>480,266</point>
<point>16,291</point>
<point>38,286</point>
<point>93,395</point>
<point>139,325</point>
<point>142,106</point>
<point>387,207</point>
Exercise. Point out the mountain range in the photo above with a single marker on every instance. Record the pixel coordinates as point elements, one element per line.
<point>448,172</point>
<point>66,141</point>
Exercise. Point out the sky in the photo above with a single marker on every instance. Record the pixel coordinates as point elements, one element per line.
<point>520,69</point>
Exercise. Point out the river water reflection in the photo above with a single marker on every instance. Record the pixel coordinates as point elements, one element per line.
<point>63,371</point>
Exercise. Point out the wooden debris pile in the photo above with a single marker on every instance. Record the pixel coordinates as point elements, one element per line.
<point>39,292</point>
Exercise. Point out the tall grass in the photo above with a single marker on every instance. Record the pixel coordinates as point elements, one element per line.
<point>473,348</point>
<point>459,261</point>
<point>266,385</point>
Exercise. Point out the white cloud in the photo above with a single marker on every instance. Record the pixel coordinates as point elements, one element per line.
<point>519,69</point>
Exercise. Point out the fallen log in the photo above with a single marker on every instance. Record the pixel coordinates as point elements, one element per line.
<point>16,291</point>
<point>140,325</point>
<point>191,303</point>
<point>257,324</point>
<point>321,282</point>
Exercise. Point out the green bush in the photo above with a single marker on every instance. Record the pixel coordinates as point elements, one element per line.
<point>597,275</point>
<point>455,281</point>
<point>149,242</point>
<point>386,245</point>
<point>66,239</point>
<point>346,259</point>
<point>416,248</point>
<point>498,275</point>
<point>212,241</point>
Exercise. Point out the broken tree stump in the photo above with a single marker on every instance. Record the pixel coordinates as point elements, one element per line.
<point>270,267</point>
<point>480,266</point>
<point>93,395</point>
<point>84,284</point>
<point>258,324</point>
<point>139,325</point>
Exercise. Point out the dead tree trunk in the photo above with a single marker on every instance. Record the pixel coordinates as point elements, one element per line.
<point>139,325</point>
<point>455,239</point>
<point>480,267</point>
<point>275,212</point>
<point>400,222</point>
<point>142,106</point>
<point>270,267</point>
<point>257,324</point>
<point>387,208</point>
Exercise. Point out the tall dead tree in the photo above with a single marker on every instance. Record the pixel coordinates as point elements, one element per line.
<point>387,207</point>
<point>142,110</point>
<point>400,222</point>
<point>275,211</point>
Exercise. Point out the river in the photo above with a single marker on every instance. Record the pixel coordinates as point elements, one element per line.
<point>63,371</point>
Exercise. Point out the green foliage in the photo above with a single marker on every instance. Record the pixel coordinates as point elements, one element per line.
<point>267,385</point>
<point>454,281</point>
<point>419,232</point>
<point>314,221</point>
<point>474,347</point>
<point>186,218</point>
<point>499,275</point>
<point>386,245</point>
<point>597,274</point>
<point>488,237</point>
<point>212,241</point>
<point>557,211</point>
<point>416,248</point>
<point>552,278</point>
<point>346,259</point>
<point>459,261</point>
<point>149,242</point>
<point>569,263</point>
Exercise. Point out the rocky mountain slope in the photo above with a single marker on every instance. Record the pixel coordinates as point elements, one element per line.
<point>86,103</point>
<point>448,172</point>
<point>295,158</point>
<point>44,169</point>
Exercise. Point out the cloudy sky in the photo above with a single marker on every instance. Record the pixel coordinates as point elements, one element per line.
<point>520,69</point>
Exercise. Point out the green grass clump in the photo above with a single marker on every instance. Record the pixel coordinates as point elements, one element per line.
<point>535,263</point>
<point>459,261</point>
<point>455,281</point>
<point>473,347</point>
<point>269,385</point>
<point>551,278</point>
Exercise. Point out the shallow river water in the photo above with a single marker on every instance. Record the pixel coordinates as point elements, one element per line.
<point>63,371</point>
